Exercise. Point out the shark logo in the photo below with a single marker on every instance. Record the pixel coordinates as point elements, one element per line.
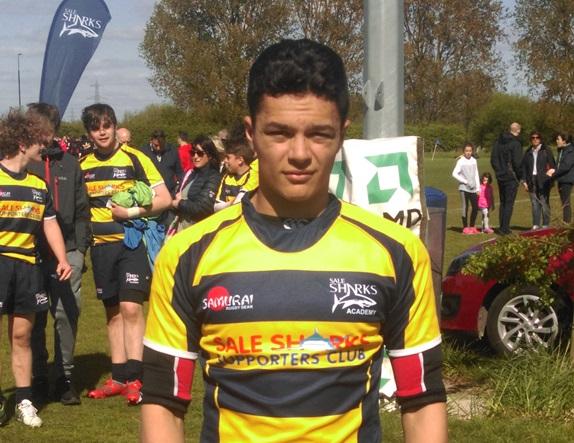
<point>353,298</point>
<point>83,31</point>
<point>77,24</point>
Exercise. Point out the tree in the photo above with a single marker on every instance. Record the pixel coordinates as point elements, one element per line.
<point>545,47</point>
<point>451,65</point>
<point>200,51</point>
<point>338,24</point>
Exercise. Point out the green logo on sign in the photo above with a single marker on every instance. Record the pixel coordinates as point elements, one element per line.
<point>339,171</point>
<point>399,159</point>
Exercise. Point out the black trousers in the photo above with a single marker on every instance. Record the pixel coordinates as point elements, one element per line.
<point>565,189</point>
<point>507,191</point>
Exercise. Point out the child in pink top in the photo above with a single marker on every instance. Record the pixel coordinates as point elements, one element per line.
<point>486,201</point>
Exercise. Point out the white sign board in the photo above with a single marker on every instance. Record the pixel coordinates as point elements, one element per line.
<point>381,175</point>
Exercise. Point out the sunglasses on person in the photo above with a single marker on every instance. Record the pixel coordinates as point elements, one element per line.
<point>197,152</point>
<point>535,137</point>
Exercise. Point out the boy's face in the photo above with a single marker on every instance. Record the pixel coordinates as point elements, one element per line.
<point>296,138</point>
<point>233,163</point>
<point>104,137</point>
<point>33,152</point>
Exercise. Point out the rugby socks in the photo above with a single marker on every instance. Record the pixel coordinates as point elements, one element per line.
<point>134,370</point>
<point>23,394</point>
<point>119,372</point>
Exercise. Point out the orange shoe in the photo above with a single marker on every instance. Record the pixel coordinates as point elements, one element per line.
<point>133,393</point>
<point>110,388</point>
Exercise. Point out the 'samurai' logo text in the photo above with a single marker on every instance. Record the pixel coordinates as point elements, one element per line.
<point>75,23</point>
<point>219,299</point>
<point>353,298</point>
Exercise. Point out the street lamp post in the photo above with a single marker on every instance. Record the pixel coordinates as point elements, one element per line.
<point>19,92</point>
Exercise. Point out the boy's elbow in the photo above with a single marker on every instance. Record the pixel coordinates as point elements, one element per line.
<point>162,200</point>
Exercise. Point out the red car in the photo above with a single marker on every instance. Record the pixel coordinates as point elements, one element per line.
<point>510,320</point>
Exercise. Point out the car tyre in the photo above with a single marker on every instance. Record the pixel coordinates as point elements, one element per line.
<point>519,320</point>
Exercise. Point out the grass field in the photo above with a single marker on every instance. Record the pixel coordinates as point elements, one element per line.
<point>112,420</point>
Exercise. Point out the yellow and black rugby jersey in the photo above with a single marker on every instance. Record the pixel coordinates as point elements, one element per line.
<point>288,324</point>
<point>25,202</point>
<point>230,185</point>
<point>106,175</point>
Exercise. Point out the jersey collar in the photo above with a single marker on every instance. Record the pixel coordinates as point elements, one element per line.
<point>290,235</point>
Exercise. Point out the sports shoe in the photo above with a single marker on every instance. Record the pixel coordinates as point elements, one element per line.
<point>473,230</point>
<point>3,410</point>
<point>467,231</point>
<point>535,227</point>
<point>28,414</point>
<point>66,393</point>
<point>488,230</point>
<point>108,389</point>
<point>133,392</point>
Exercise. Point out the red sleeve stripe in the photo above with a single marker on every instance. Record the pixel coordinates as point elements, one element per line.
<point>409,375</point>
<point>183,369</point>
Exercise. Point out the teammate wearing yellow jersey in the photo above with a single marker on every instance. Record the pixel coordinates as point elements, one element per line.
<point>286,299</point>
<point>240,178</point>
<point>25,210</point>
<point>121,274</point>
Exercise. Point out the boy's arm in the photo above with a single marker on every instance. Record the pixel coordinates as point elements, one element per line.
<point>55,240</point>
<point>427,423</point>
<point>161,424</point>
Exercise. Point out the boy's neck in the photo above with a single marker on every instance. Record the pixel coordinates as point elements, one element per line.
<point>242,170</point>
<point>16,164</point>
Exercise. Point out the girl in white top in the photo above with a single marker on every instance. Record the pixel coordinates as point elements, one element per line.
<point>466,173</point>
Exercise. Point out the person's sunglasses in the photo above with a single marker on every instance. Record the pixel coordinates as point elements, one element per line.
<point>534,137</point>
<point>197,152</point>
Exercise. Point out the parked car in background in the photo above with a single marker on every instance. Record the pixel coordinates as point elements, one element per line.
<point>510,320</point>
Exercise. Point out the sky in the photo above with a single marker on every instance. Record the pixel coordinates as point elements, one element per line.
<point>116,66</point>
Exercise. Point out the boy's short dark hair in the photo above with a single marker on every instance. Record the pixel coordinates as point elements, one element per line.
<point>298,67</point>
<point>158,134</point>
<point>566,136</point>
<point>17,128</point>
<point>94,115</point>
<point>48,111</point>
<point>239,148</point>
<point>184,136</point>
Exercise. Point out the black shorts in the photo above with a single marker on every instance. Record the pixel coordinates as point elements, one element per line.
<point>120,273</point>
<point>21,287</point>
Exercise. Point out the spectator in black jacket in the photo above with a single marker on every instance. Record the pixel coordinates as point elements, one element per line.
<point>506,159</point>
<point>564,173</point>
<point>197,196</point>
<point>538,159</point>
<point>165,159</point>
<point>61,171</point>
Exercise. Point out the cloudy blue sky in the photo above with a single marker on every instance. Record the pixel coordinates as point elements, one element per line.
<point>116,65</point>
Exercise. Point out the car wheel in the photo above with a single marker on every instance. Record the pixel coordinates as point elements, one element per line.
<point>519,320</point>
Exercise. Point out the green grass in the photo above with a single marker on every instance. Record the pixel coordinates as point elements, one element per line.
<point>537,385</point>
<point>112,421</point>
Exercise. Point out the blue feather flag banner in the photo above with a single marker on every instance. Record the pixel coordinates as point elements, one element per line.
<point>76,31</point>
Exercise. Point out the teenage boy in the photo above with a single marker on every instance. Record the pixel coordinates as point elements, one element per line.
<point>121,274</point>
<point>286,297</point>
<point>239,178</point>
<point>25,211</point>
<point>64,177</point>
